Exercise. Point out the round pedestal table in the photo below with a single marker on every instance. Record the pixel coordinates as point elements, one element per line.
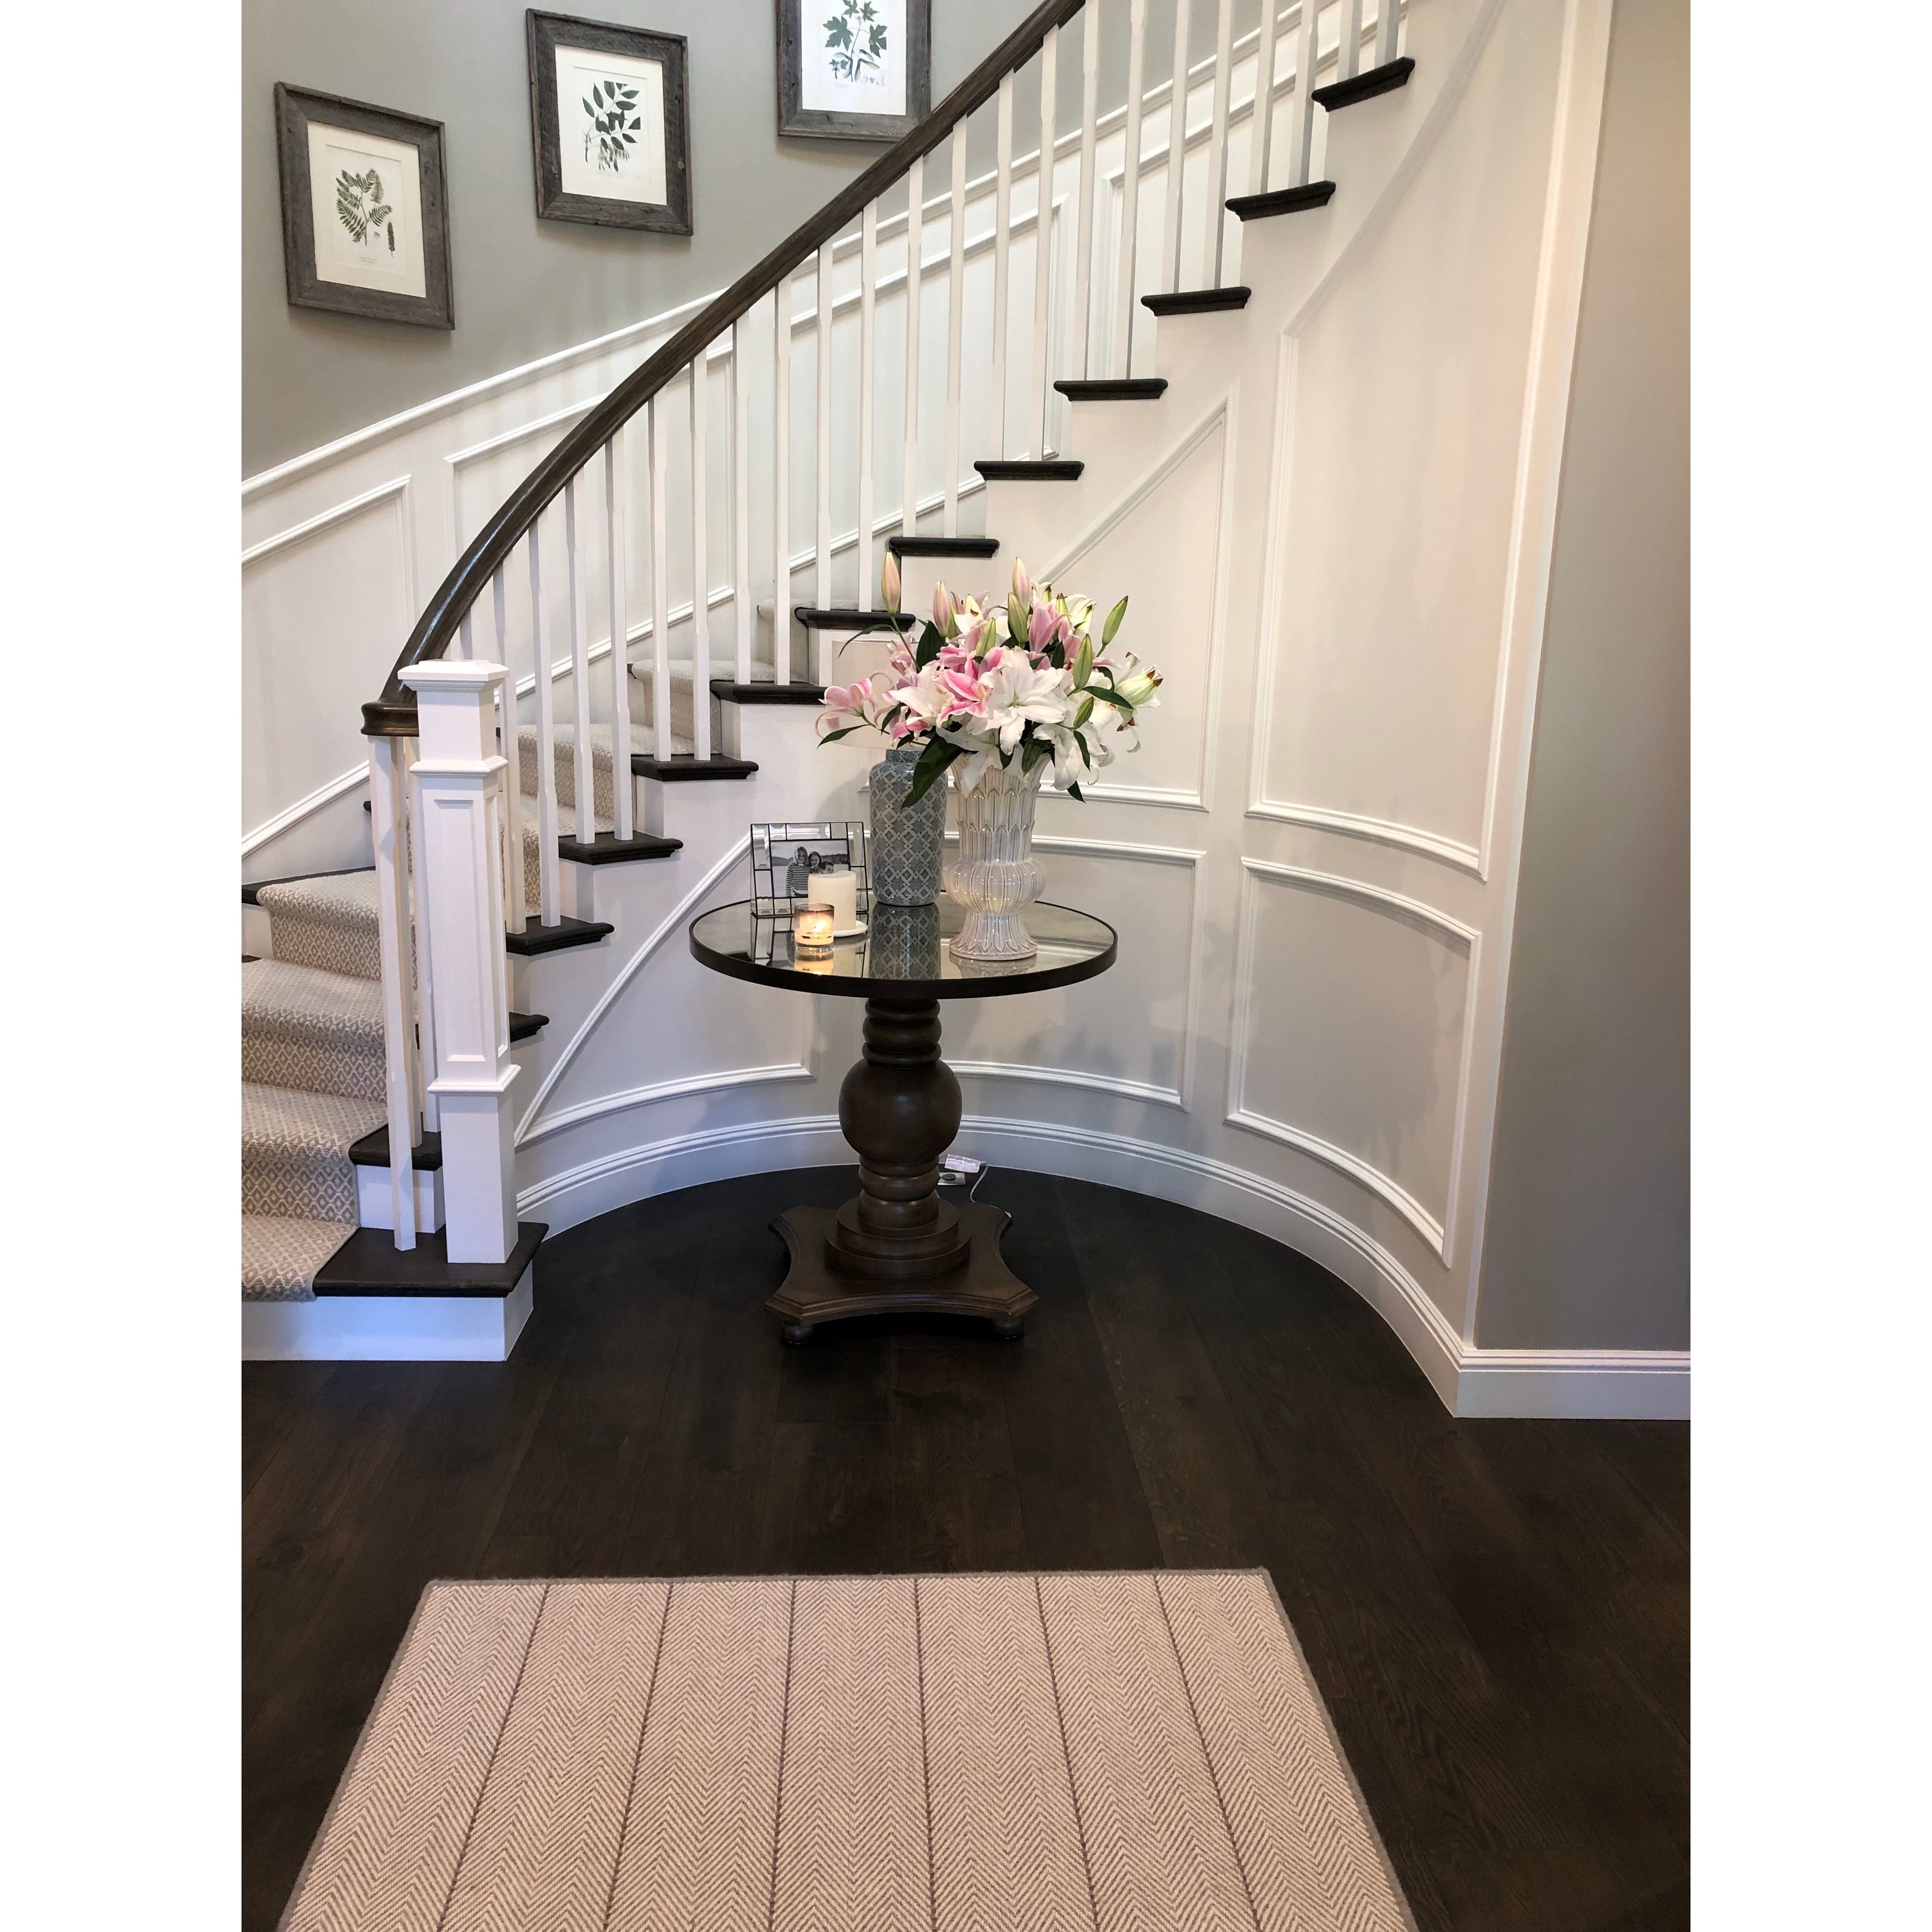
<point>896,1246</point>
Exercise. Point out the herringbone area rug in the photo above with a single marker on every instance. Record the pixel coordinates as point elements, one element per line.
<point>1116,1752</point>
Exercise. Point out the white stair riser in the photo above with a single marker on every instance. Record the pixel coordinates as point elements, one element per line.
<point>375,1205</point>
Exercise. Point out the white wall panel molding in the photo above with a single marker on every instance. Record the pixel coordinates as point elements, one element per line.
<point>1178,1096</point>
<point>1438,1229</point>
<point>564,1118</point>
<point>396,491</point>
<point>270,830</point>
<point>533,1126</point>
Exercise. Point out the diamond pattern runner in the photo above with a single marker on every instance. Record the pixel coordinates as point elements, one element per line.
<point>994,1753</point>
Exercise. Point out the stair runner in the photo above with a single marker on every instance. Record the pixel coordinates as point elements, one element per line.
<point>312,1074</point>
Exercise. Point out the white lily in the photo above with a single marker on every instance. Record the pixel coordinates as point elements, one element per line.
<point>1017,694</point>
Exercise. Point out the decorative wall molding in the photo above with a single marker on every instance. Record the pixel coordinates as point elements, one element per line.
<point>272,829</point>
<point>1638,1384</point>
<point>396,490</point>
<point>533,1126</point>
<point>1437,1231</point>
<point>564,1118</point>
<point>1178,1096</point>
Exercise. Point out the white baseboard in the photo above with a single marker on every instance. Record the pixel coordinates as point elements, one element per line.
<point>1578,1383</point>
<point>387,1328</point>
<point>1644,1385</point>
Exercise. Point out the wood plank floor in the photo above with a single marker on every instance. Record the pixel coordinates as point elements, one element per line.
<point>1498,1613</point>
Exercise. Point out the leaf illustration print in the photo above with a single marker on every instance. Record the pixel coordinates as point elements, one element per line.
<point>360,207</point>
<point>855,37</point>
<point>612,110</point>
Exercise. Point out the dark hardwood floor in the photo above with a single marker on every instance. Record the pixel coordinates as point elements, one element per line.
<point>1498,1613</point>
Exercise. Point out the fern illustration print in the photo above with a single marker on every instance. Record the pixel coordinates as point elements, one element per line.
<point>855,41</point>
<point>612,107</point>
<point>360,207</point>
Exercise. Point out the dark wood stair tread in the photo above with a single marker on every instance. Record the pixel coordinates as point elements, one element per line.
<point>944,546</point>
<point>1365,85</point>
<point>766,690</point>
<point>1197,302</point>
<point>815,620</point>
<point>535,939</point>
<point>526,1026</point>
<point>688,768</point>
<point>1021,469</point>
<point>370,1263</point>
<point>608,849</point>
<point>372,1150</point>
<point>1281,200</point>
<point>1114,389</point>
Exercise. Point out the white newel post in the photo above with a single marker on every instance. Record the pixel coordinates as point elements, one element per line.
<point>460,776</point>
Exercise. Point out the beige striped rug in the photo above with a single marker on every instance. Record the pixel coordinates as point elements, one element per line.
<point>1118,1752</point>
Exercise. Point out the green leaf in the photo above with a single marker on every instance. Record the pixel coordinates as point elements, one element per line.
<point>1113,624</point>
<point>930,641</point>
<point>832,737</point>
<point>1074,791</point>
<point>1113,697</point>
<point>1036,749</point>
<point>933,761</point>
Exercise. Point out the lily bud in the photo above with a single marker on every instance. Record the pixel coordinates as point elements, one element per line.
<point>943,611</point>
<point>1022,583</point>
<point>889,582</point>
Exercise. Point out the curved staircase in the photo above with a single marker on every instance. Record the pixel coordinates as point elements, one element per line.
<point>357,1035</point>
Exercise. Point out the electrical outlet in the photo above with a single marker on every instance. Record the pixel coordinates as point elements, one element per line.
<point>961,1164</point>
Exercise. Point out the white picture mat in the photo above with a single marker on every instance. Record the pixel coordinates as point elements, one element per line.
<point>880,91</point>
<point>641,175</point>
<point>369,264</point>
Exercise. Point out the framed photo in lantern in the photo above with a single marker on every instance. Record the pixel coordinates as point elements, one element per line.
<point>854,70</point>
<point>365,209</point>
<point>610,124</point>
<point>786,858</point>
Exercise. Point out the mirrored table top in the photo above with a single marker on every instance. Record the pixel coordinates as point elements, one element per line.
<point>903,953</point>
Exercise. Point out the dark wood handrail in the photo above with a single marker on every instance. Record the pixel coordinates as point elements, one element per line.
<point>394,715</point>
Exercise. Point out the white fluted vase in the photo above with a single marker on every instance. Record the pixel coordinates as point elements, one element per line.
<point>995,876</point>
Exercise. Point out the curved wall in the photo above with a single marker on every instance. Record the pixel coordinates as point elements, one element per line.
<point>1336,529</point>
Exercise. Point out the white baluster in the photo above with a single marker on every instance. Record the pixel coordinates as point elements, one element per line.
<point>513,761</point>
<point>660,583</point>
<point>869,325</point>
<point>822,589</point>
<point>1130,190</point>
<point>1042,238</point>
<point>955,313</point>
<point>1349,54</point>
<point>617,552</point>
<point>1217,139</point>
<point>1301,109</point>
<point>741,493</point>
<point>1177,148</point>
<point>460,778</point>
<point>915,281</point>
<point>425,981</point>
<point>781,481</point>
<point>1003,242</point>
<point>1388,26</point>
<point>549,862</point>
<point>387,819</point>
<point>701,568</point>
<point>582,773</point>
<point>1083,254</point>
<point>1261,122</point>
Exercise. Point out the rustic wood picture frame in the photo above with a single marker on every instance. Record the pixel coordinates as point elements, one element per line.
<point>295,109</point>
<point>817,123</point>
<point>545,34</point>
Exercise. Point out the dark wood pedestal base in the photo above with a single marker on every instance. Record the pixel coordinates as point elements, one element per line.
<point>896,1247</point>
<point>979,1284</point>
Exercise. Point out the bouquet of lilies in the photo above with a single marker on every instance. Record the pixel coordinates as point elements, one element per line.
<point>990,683</point>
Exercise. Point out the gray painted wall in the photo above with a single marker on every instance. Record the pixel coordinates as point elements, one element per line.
<point>1587,1242</point>
<point>524,288</point>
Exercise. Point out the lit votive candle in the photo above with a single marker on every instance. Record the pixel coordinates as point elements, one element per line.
<point>811,933</point>
<point>840,891</point>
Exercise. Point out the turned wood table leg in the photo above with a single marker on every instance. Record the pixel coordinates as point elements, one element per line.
<point>897,1245</point>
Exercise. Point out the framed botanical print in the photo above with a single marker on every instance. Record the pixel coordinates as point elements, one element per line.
<point>365,209</point>
<point>610,124</point>
<point>854,70</point>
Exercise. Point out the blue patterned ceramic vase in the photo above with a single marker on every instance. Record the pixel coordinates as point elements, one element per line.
<point>907,840</point>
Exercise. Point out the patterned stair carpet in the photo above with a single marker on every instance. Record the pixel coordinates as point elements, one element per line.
<point>1116,1752</point>
<point>312,1072</point>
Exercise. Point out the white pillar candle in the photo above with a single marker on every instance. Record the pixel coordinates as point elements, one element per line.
<point>840,891</point>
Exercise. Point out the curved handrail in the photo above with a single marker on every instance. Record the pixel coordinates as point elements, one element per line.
<point>394,715</point>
